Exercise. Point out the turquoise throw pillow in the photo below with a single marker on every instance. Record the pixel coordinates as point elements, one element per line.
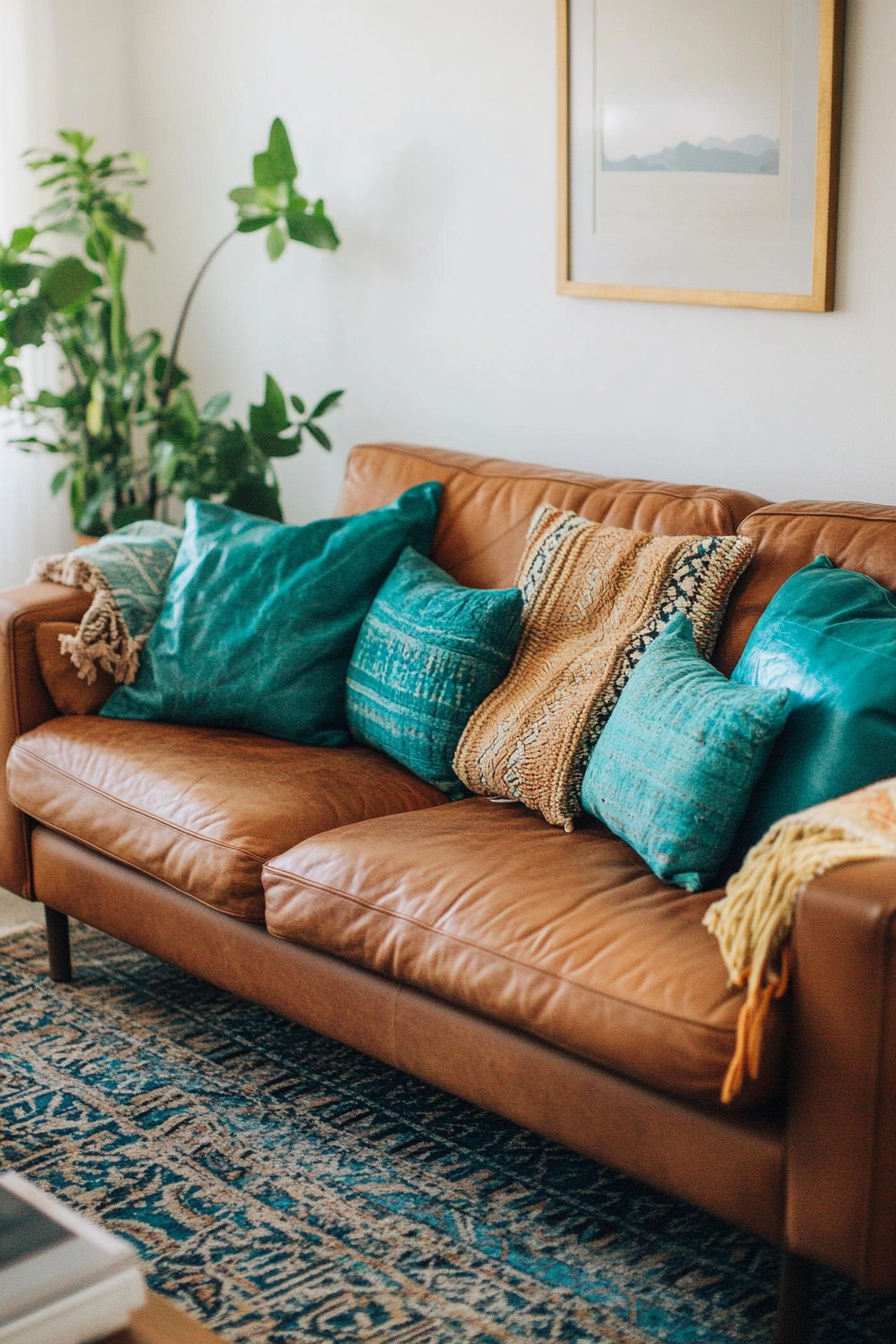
<point>829,637</point>
<point>260,619</point>
<point>673,769</point>
<point>428,654</point>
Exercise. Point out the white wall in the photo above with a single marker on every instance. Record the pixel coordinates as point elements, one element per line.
<point>429,127</point>
<point>60,65</point>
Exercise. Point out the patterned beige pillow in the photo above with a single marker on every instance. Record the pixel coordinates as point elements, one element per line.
<point>594,599</point>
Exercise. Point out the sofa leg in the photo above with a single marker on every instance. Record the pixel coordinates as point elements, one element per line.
<point>58,946</point>
<point>794,1300</point>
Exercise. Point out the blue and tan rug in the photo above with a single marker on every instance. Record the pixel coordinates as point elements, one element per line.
<point>283,1187</point>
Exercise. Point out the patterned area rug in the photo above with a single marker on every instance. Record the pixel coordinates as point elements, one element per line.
<point>283,1187</point>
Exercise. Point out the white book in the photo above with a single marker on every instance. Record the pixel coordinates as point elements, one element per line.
<point>62,1279</point>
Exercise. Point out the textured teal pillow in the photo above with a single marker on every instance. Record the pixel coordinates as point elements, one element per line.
<point>428,654</point>
<point>260,619</point>
<point>829,637</point>
<point>673,770</point>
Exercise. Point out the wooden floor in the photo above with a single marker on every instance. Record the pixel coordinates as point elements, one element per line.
<point>159,1322</point>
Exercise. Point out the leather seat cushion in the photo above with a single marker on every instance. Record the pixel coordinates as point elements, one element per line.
<point>568,937</point>
<point>199,808</point>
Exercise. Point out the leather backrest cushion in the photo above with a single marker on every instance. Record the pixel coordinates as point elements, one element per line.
<point>787,536</point>
<point>488,504</point>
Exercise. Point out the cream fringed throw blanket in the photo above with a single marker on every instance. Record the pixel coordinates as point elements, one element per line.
<point>127,572</point>
<point>594,597</point>
<point>753,920</point>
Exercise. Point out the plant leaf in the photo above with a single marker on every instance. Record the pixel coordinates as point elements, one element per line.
<point>16,274</point>
<point>272,446</point>
<point>275,403</point>
<point>275,242</point>
<point>123,225</point>
<point>233,453</point>
<point>253,495</point>
<point>80,142</point>
<point>22,239</point>
<point>255,223</point>
<point>243,196</point>
<point>270,418</point>
<point>93,416</point>
<point>181,418</point>
<point>26,324</point>
<point>129,513</point>
<point>144,346</point>
<point>316,432</point>
<point>68,283</point>
<point>178,375</point>
<point>215,406</point>
<point>276,164</point>
<point>280,152</point>
<point>299,404</point>
<point>326,404</point>
<point>41,443</point>
<point>165,462</point>
<point>59,480</point>
<point>314,229</point>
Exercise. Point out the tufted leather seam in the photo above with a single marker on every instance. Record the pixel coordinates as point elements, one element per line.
<point>503,956</point>
<point>139,811</point>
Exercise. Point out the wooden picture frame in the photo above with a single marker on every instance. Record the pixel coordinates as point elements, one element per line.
<point>652,226</point>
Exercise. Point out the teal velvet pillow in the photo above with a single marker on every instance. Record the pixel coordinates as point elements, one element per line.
<point>260,619</point>
<point>428,654</point>
<point>673,769</point>
<point>829,637</point>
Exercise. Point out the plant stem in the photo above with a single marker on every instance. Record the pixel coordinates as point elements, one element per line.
<point>112,260</point>
<point>78,380</point>
<point>165,390</point>
<point>114,281</point>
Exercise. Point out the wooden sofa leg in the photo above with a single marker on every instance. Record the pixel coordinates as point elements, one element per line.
<point>58,946</point>
<point>794,1300</point>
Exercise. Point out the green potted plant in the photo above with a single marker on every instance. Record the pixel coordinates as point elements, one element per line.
<point>122,414</point>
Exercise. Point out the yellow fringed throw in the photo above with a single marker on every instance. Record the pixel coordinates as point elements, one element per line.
<point>753,919</point>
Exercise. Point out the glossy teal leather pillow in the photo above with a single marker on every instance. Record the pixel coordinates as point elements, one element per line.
<point>828,636</point>
<point>428,654</point>
<point>260,618</point>
<point>673,769</point>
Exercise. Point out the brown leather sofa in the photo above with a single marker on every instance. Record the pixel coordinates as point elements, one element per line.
<point>549,977</point>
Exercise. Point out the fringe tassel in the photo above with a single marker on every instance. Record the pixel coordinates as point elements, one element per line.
<point>103,637</point>
<point>753,921</point>
<point>750,1026</point>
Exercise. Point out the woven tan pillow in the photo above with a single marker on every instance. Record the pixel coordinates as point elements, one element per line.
<point>594,599</point>
<point>69,693</point>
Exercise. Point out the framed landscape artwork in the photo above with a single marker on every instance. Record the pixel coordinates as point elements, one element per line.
<point>698,150</point>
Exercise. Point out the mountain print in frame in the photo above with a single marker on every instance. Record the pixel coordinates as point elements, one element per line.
<point>698,150</point>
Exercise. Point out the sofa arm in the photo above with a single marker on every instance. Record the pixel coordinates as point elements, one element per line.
<point>24,701</point>
<point>841,1127</point>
